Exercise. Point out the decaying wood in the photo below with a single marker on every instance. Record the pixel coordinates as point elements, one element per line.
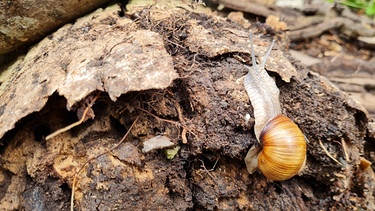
<point>301,27</point>
<point>24,22</point>
<point>189,68</point>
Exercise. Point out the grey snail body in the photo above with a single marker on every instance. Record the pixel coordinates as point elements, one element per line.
<point>282,153</point>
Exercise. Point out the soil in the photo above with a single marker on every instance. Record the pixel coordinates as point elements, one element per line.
<point>202,111</point>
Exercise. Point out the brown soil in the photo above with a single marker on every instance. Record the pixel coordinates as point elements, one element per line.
<point>204,107</point>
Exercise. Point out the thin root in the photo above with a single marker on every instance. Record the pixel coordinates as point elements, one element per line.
<point>345,149</point>
<point>329,155</point>
<point>95,157</point>
<point>209,170</point>
<point>159,118</point>
<point>179,124</point>
<point>57,132</point>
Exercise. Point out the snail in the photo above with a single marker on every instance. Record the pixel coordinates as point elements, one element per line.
<point>282,153</point>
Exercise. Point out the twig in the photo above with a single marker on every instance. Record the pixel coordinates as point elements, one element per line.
<point>316,30</point>
<point>95,157</point>
<point>251,6</point>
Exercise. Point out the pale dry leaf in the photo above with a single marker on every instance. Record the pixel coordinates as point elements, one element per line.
<point>101,51</point>
<point>157,142</point>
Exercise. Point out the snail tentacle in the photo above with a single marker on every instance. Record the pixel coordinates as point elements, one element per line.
<point>263,93</point>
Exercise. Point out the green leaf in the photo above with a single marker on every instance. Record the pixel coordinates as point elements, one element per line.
<point>370,11</point>
<point>170,153</point>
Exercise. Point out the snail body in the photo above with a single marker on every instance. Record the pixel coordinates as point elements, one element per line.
<point>263,93</point>
<point>282,153</point>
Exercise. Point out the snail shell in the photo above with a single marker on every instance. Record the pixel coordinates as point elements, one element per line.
<point>284,149</point>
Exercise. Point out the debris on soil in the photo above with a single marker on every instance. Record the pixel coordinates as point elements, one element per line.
<point>178,72</point>
<point>157,142</point>
<point>171,153</point>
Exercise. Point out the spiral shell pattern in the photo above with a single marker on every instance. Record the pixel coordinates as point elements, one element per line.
<point>284,149</point>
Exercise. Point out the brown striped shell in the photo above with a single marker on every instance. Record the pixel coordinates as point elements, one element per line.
<point>284,149</point>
